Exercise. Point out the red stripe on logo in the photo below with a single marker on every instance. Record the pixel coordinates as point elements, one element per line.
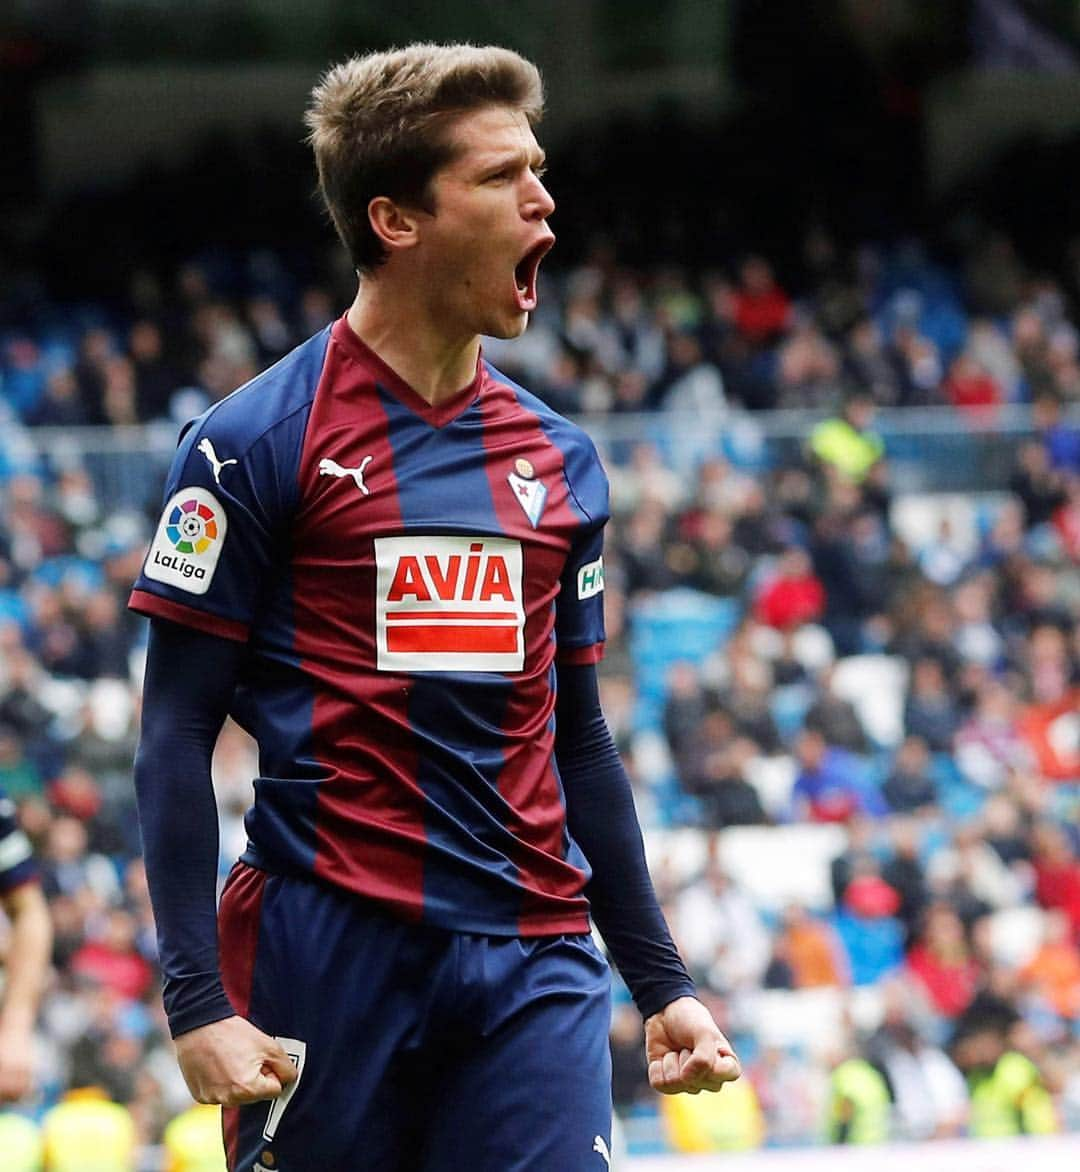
<point>465,638</point>
<point>440,616</point>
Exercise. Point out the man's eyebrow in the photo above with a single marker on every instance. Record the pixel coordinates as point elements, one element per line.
<point>499,158</point>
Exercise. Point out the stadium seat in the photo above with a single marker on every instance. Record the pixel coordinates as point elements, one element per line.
<point>875,685</point>
<point>1015,935</point>
<point>773,778</point>
<point>812,1019</point>
<point>778,865</point>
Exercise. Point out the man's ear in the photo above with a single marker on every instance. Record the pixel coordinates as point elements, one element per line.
<point>395,225</point>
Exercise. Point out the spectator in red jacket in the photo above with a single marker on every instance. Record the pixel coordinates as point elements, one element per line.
<point>112,960</point>
<point>1057,872</point>
<point>761,307</point>
<point>942,961</point>
<point>793,595</point>
<point>969,386</point>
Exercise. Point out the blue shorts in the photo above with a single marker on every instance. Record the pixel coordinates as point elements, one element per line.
<point>420,1050</point>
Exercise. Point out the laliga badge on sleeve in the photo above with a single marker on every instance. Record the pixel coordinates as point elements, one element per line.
<point>188,541</point>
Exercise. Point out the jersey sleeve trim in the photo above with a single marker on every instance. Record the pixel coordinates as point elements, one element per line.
<point>581,655</point>
<point>143,602</point>
<point>19,876</point>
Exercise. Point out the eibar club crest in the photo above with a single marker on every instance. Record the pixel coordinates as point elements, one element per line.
<point>530,493</point>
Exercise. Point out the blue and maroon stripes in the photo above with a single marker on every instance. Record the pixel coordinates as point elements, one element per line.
<point>370,834</point>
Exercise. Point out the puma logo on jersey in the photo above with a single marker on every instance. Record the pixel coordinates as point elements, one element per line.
<point>449,604</point>
<point>328,467</point>
<point>206,446</point>
<point>600,1145</point>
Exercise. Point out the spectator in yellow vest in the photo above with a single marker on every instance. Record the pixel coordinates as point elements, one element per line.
<point>86,1132</point>
<point>193,1141</point>
<point>860,1105</point>
<point>1008,1094</point>
<point>20,1143</point>
<point>729,1122</point>
<point>846,443</point>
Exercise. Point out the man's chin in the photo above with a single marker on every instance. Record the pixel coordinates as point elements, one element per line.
<point>509,328</point>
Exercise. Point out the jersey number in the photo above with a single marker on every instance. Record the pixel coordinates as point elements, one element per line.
<point>297,1052</point>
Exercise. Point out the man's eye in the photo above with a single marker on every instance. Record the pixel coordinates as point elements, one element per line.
<point>539,172</point>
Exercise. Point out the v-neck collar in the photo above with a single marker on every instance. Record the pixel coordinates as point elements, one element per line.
<point>386,377</point>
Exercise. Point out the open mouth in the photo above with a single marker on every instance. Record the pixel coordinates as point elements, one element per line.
<point>525,273</point>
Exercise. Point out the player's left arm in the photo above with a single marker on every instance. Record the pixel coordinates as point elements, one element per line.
<point>26,971</point>
<point>685,1048</point>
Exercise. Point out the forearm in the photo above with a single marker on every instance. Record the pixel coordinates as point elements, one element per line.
<point>603,821</point>
<point>28,960</point>
<point>182,713</point>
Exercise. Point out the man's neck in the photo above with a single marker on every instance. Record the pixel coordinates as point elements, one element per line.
<point>386,317</point>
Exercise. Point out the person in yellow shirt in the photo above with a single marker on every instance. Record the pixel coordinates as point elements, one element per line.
<point>729,1122</point>
<point>193,1141</point>
<point>1008,1093</point>
<point>85,1132</point>
<point>846,442</point>
<point>860,1105</point>
<point>20,1143</point>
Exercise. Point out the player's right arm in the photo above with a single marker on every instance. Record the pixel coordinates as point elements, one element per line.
<point>188,688</point>
<point>27,961</point>
<point>230,494</point>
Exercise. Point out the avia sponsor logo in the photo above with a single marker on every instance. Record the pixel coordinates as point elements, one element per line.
<point>590,579</point>
<point>188,541</point>
<point>449,604</point>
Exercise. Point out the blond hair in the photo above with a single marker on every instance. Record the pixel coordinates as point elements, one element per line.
<point>378,125</point>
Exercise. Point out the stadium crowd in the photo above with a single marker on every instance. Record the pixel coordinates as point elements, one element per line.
<point>904,715</point>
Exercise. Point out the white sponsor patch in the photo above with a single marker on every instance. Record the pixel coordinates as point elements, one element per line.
<point>590,579</point>
<point>188,541</point>
<point>449,604</point>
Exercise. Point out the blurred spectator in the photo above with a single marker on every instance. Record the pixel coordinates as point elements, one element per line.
<point>905,873</point>
<point>192,1141</point>
<point>1039,486</point>
<point>1008,1094</point>
<point>835,717</point>
<point>832,784</point>
<point>846,443</point>
<point>811,950</point>
<point>1053,973</point>
<point>969,386</point>
<point>929,1095</point>
<point>760,308</point>
<point>792,595</point>
<point>720,932</point>
<point>88,1133</point>
<point>859,1104</point>
<point>942,961</point>
<point>714,1123</point>
<point>155,379</point>
<point>112,960</point>
<point>1057,872</point>
<point>931,711</point>
<point>909,786</point>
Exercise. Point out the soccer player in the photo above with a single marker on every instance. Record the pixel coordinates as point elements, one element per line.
<point>383,558</point>
<point>27,962</point>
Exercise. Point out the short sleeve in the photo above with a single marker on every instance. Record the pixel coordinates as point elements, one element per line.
<point>217,537</point>
<point>17,865</point>
<point>579,616</point>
